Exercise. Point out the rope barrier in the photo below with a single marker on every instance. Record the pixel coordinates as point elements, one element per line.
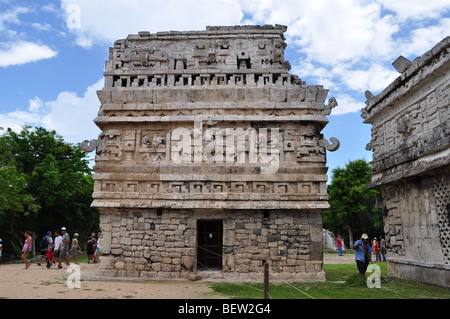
<point>243,284</point>
<point>298,289</point>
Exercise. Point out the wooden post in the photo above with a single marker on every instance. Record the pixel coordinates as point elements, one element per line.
<point>266,280</point>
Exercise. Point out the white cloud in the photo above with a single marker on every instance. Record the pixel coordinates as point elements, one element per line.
<point>109,20</point>
<point>340,44</point>
<point>35,104</point>
<point>11,16</point>
<point>416,9</point>
<point>321,74</point>
<point>328,31</point>
<point>373,78</point>
<point>70,115</point>
<point>51,7</point>
<point>21,52</point>
<point>423,39</point>
<point>41,26</point>
<point>347,104</point>
<point>17,119</point>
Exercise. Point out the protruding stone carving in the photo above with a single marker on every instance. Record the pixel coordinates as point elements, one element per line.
<point>334,146</point>
<point>401,64</point>
<point>411,164</point>
<point>369,96</point>
<point>332,103</point>
<point>209,126</point>
<point>89,146</point>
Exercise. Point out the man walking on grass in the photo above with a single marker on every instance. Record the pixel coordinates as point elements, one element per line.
<point>362,253</point>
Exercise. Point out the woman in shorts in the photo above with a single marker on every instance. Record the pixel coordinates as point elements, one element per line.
<point>74,249</point>
<point>97,248</point>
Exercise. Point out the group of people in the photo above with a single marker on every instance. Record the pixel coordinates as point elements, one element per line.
<point>93,248</point>
<point>379,248</point>
<point>60,248</point>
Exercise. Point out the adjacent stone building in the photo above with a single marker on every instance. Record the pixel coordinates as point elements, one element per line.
<point>411,164</point>
<point>211,160</point>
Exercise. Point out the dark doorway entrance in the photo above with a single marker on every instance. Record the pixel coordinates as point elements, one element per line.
<point>209,244</point>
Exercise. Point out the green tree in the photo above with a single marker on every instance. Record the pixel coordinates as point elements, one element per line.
<point>54,179</point>
<point>17,206</point>
<point>352,204</point>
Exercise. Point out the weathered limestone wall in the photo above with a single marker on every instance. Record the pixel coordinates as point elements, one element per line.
<point>416,216</point>
<point>162,244</point>
<point>411,164</point>
<point>417,228</point>
<point>210,124</point>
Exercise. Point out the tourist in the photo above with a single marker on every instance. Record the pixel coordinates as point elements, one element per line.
<point>56,247</point>
<point>64,247</point>
<point>45,249</point>
<point>90,247</point>
<point>97,248</point>
<point>376,250</point>
<point>373,244</point>
<point>27,248</point>
<point>49,254</point>
<point>383,247</point>
<point>362,253</point>
<point>339,245</point>
<point>74,249</point>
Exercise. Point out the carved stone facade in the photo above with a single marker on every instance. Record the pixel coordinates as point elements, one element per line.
<point>211,157</point>
<point>411,164</point>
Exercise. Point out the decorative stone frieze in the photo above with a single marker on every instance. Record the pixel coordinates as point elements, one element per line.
<point>411,164</point>
<point>205,133</point>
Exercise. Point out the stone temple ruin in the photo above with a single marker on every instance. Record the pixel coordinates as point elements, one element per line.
<point>411,165</point>
<point>211,160</point>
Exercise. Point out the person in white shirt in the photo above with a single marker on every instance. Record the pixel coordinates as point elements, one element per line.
<point>57,247</point>
<point>97,248</point>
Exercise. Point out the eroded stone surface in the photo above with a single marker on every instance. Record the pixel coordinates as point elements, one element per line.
<point>210,125</point>
<point>411,164</point>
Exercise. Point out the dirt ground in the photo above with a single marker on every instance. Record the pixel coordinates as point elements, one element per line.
<point>38,282</point>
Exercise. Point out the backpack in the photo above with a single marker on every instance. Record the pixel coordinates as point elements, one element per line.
<point>43,244</point>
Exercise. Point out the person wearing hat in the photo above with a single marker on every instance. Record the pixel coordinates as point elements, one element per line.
<point>74,249</point>
<point>64,247</point>
<point>362,253</point>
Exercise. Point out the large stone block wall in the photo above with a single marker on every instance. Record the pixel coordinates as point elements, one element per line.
<point>418,228</point>
<point>151,243</point>
<point>411,164</point>
<point>210,125</point>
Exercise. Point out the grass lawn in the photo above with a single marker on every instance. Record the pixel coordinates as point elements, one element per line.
<point>81,259</point>
<point>343,282</point>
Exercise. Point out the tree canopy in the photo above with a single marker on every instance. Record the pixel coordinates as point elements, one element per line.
<point>352,205</point>
<point>45,183</point>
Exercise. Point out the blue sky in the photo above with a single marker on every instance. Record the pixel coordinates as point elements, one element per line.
<point>52,53</point>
